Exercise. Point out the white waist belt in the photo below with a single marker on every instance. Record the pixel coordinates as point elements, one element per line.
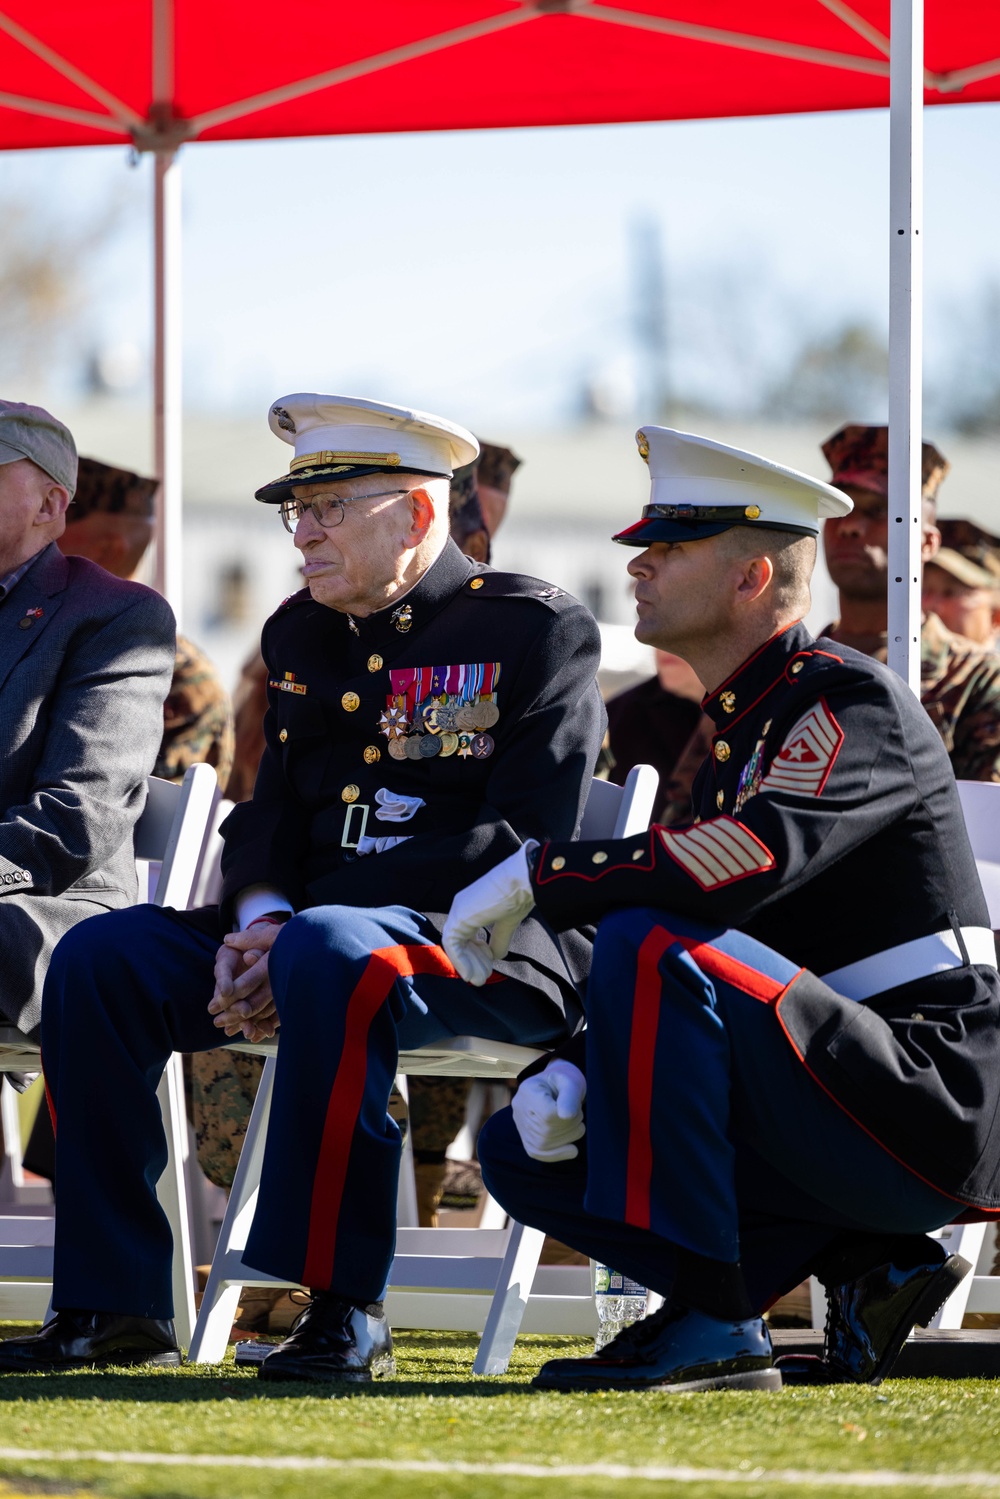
<point>912,960</point>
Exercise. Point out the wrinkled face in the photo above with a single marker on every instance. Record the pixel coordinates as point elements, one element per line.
<point>966,610</point>
<point>683,593</point>
<point>355,566</point>
<point>28,521</point>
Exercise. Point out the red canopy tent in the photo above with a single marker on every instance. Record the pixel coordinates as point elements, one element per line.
<point>165,73</point>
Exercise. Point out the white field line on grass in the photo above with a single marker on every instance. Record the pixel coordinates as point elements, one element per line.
<point>880,1479</point>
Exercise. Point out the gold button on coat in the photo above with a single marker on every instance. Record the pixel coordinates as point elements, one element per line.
<point>375,663</point>
<point>283,735</point>
<point>350,702</point>
<point>720,797</point>
<point>372,754</point>
<point>350,794</point>
<point>599,858</point>
<point>478,583</point>
<point>559,862</point>
<point>796,667</point>
<point>722,751</point>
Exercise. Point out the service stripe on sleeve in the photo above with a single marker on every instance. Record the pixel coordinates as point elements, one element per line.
<point>806,758</point>
<point>717,852</point>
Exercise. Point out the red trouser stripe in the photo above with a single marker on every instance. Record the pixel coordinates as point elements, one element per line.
<point>383,968</point>
<point>642,1047</point>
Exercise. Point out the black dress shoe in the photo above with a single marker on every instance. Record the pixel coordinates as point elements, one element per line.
<point>333,1339</point>
<point>870,1317</point>
<point>87,1340</point>
<point>674,1349</point>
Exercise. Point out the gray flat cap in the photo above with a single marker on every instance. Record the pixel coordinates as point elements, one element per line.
<point>30,432</point>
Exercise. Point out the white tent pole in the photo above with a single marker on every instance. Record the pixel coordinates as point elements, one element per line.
<point>167,375</point>
<point>906,276</point>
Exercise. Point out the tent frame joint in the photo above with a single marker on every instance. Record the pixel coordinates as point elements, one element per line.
<point>161,131</point>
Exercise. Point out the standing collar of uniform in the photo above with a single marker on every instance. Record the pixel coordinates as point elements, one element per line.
<point>439,584</point>
<point>756,676</point>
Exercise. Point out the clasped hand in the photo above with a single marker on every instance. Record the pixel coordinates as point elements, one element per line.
<point>242,1003</point>
<point>548,1112</point>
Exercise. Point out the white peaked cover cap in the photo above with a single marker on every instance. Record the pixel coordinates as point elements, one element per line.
<point>700,487</point>
<point>346,437</point>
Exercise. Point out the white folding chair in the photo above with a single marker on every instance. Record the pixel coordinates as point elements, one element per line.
<point>171,832</point>
<point>463,1279</point>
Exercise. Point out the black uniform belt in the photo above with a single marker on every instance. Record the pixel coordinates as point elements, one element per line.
<point>911,961</point>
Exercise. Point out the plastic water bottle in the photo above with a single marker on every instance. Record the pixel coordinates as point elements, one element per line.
<point>619,1301</point>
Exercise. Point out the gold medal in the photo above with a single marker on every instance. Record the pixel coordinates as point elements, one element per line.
<point>449,744</point>
<point>397,749</point>
<point>465,717</point>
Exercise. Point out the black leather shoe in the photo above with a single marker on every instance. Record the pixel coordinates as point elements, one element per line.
<point>333,1339</point>
<point>87,1340</point>
<point>674,1349</point>
<point>869,1318</point>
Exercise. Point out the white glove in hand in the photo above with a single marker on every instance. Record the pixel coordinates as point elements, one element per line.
<point>548,1112</point>
<point>501,900</point>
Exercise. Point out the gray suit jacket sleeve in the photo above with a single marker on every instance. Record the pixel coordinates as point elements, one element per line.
<point>89,696</point>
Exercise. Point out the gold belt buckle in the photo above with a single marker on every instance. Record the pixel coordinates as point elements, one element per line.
<point>364,809</point>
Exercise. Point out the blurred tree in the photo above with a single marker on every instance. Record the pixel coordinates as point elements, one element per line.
<point>835,376</point>
<point>969,395</point>
<point>45,272</point>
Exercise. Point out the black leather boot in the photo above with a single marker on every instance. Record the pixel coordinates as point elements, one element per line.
<point>870,1316</point>
<point>674,1349</point>
<point>332,1339</point>
<point>86,1340</point>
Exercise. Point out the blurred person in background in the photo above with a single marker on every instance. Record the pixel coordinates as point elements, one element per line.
<point>962,584</point>
<point>110,521</point>
<point>653,723</point>
<point>959,682</point>
<point>85,663</point>
<point>495,471</point>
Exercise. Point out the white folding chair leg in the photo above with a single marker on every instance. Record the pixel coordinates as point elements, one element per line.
<point>503,1322</point>
<point>225,1281</point>
<point>407,1213</point>
<point>965,1239</point>
<point>817,1303</point>
<point>171,1190</point>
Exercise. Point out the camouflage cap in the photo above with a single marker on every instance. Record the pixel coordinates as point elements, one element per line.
<point>497,466</point>
<point>465,513</point>
<point>859,456</point>
<point>115,491</point>
<point>31,432</point>
<point>969,553</point>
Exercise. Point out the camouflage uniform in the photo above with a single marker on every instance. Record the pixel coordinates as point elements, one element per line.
<point>960,689</point>
<point>197,718</point>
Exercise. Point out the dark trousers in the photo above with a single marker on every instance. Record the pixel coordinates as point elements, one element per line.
<point>352,988</point>
<point>704,1130</point>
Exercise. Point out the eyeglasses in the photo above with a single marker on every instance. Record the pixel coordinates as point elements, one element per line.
<point>328,509</point>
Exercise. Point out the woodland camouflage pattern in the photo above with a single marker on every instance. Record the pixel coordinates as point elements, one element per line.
<point>960,689</point>
<point>197,718</point>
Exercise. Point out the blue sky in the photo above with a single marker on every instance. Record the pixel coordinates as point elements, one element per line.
<point>487,273</point>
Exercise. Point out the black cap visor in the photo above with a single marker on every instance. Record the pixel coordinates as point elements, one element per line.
<point>696,523</point>
<point>331,473</point>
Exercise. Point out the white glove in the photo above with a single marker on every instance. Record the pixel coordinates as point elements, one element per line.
<point>548,1112</point>
<point>500,899</point>
<point>393,806</point>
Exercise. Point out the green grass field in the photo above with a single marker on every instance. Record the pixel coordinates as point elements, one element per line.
<point>438,1432</point>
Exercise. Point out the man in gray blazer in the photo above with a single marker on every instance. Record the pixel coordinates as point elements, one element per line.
<point>85,663</point>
